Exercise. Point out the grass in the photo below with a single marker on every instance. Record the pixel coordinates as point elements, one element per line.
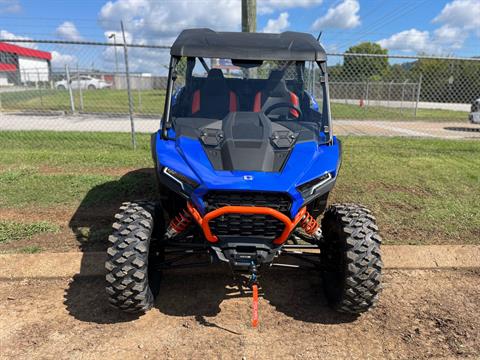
<point>72,151</point>
<point>12,230</point>
<point>355,112</point>
<point>94,101</point>
<point>423,191</point>
<point>30,249</point>
<point>151,102</point>
<point>30,188</point>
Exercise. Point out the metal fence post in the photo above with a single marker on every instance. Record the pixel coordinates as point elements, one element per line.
<point>39,86</point>
<point>419,88</point>
<point>366,96</point>
<point>403,95</point>
<point>389,93</point>
<point>414,87</point>
<point>139,99</point>
<point>80,92</point>
<point>129,92</point>
<point>69,85</point>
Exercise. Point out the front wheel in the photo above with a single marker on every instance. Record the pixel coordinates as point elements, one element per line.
<point>350,254</point>
<point>132,284</point>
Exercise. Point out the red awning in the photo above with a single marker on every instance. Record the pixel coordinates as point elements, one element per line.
<point>8,67</point>
<point>23,51</point>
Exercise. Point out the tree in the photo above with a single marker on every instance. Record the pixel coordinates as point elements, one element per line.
<point>445,80</point>
<point>365,67</point>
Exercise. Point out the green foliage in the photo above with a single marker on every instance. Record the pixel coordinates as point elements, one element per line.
<point>366,68</point>
<point>451,81</point>
<point>441,80</point>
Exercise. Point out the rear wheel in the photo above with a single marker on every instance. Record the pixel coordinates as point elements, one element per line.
<point>132,281</point>
<point>350,253</point>
<point>92,87</point>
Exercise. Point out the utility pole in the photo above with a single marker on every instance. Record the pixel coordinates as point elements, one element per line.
<point>249,24</point>
<point>129,88</point>
<point>249,15</point>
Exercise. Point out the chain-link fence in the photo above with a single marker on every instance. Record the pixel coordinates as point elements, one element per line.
<point>86,87</point>
<point>76,78</point>
<point>402,87</point>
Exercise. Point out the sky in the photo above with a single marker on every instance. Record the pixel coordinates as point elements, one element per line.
<point>406,27</point>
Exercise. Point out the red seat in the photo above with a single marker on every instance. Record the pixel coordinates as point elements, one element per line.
<point>276,92</point>
<point>214,99</point>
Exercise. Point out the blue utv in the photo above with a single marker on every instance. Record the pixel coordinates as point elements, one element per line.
<point>245,160</point>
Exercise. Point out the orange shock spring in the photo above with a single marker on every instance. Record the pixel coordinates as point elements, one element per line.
<point>179,223</point>
<point>309,224</point>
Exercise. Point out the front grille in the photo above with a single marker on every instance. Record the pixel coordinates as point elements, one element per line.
<point>247,224</point>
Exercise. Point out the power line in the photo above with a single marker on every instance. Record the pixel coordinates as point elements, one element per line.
<point>389,18</point>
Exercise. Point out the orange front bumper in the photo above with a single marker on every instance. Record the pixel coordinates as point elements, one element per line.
<point>203,221</point>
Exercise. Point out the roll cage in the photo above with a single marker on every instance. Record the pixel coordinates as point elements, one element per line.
<point>251,50</point>
<point>172,76</point>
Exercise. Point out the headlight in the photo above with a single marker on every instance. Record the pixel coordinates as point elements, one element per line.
<point>181,179</point>
<point>309,188</point>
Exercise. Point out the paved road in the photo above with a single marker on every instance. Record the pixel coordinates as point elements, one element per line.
<point>406,128</point>
<point>122,124</point>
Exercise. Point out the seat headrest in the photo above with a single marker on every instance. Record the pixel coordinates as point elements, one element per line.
<point>215,83</point>
<point>276,85</point>
<point>275,75</point>
<point>215,74</point>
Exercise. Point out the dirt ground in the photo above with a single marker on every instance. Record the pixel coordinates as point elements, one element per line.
<point>422,314</point>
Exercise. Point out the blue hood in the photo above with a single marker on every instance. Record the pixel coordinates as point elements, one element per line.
<point>307,161</point>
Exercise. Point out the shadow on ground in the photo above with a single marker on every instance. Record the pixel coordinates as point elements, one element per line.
<point>462,128</point>
<point>195,293</point>
<point>91,223</point>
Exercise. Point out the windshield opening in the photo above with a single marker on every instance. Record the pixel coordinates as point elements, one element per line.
<point>284,91</point>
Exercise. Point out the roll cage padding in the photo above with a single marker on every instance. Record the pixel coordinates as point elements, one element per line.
<point>214,99</point>
<point>276,92</point>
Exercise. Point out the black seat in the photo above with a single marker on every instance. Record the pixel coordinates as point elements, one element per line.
<point>276,92</point>
<point>214,99</point>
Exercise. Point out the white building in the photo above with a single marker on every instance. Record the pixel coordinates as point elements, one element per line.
<point>19,65</point>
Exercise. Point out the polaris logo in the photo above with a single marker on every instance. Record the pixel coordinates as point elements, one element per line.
<point>248,177</point>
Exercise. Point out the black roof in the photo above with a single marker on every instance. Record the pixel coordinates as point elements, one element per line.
<point>248,46</point>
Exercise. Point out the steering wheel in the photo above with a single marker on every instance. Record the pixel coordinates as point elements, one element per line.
<point>284,105</point>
